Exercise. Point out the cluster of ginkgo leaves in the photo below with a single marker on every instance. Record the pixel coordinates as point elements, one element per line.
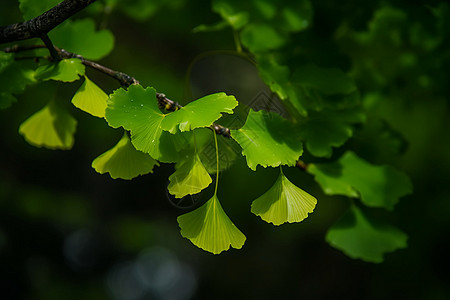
<point>324,104</point>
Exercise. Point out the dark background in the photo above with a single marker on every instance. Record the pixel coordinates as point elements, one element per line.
<point>67,232</point>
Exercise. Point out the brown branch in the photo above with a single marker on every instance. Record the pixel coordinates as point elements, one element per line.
<point>124,79</point>
<point>41,25</point>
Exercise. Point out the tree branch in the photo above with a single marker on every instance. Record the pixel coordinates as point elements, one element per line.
<point>124,79</point>
<point>41,25</point>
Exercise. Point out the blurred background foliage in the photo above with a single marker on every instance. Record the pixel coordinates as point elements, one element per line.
<point>67,232</point>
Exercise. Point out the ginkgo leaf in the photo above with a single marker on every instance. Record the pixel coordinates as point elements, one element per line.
<point>136,109</point>
<point>284,202</point>
<point>52,127</point>
<point>124,161</point>
<point>199,113</point>
<point>81,37</point>
<point>90,98</point>
<point>266,139</point>
<point>66,70</point>
<point>377,186</point>
<point>357,237</point>
<point>190,177</point>
<point>209,228</point>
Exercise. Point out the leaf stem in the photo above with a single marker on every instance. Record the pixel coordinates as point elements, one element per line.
<point>217,163</point>
<point>237,41</point>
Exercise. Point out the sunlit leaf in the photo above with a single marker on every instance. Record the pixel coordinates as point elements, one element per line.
<point>284,202</point>
<point>377,186</point>
<point>90,98</point>
<point>66,70</point>
<point>124,161</point>
<point>52,127</point>
<point>81,37</point>
<point>266,139</point>
<point>190,177</point>
<point>209,228</point>
<point>199,113</point>
<point>357,237</point>
<point>136,109</point>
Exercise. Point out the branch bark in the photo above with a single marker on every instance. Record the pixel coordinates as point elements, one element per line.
<point>41,25</point>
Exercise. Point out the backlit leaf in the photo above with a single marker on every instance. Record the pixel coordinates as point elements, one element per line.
<point>81,37</point>
<point>66,70</point>
<point>266,139</point>
<point>209,228</point>
<point>377,186</point>
<point>190,177</point>
<point>124,161</point>
<point>284,202</point>
<point>199,113</point>
<point>357,237</point>
<point>52,127</point>
<point>136,109</point>
<point>90,98</point>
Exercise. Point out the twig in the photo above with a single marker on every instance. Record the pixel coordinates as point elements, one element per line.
<point>41,25</point>
<point>48,43</point>
<point>124,79</point>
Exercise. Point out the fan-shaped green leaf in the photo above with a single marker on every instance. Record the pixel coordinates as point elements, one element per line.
<point>90,98</point>
<point>52,127</point>
<point>357,237</point>
<point>267,139</point>
<point>66,70</point>
<point>136,109</point>
<point>124,161</point>
<point>190,177</point>
<point>377,186</point>
<point>81,37</point>
<point>209,228</point>
<point>199,113</point>
<point>284,202</point>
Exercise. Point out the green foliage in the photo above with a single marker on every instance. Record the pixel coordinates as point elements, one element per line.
<point>52,127</point>
<point>319,77</point>
<point>190,177</point>
<point>65,70</point>
<point>377,186</point>
<point>357,237</point>
<point>31,9</point>
<point>14,77</point>
<point>124,161</point>
<point>90,98</point>
<point>284,202</point>
<point>266,140</point>
<point>81,37</point>
<point>208,227</point>
<point>200,113</point>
